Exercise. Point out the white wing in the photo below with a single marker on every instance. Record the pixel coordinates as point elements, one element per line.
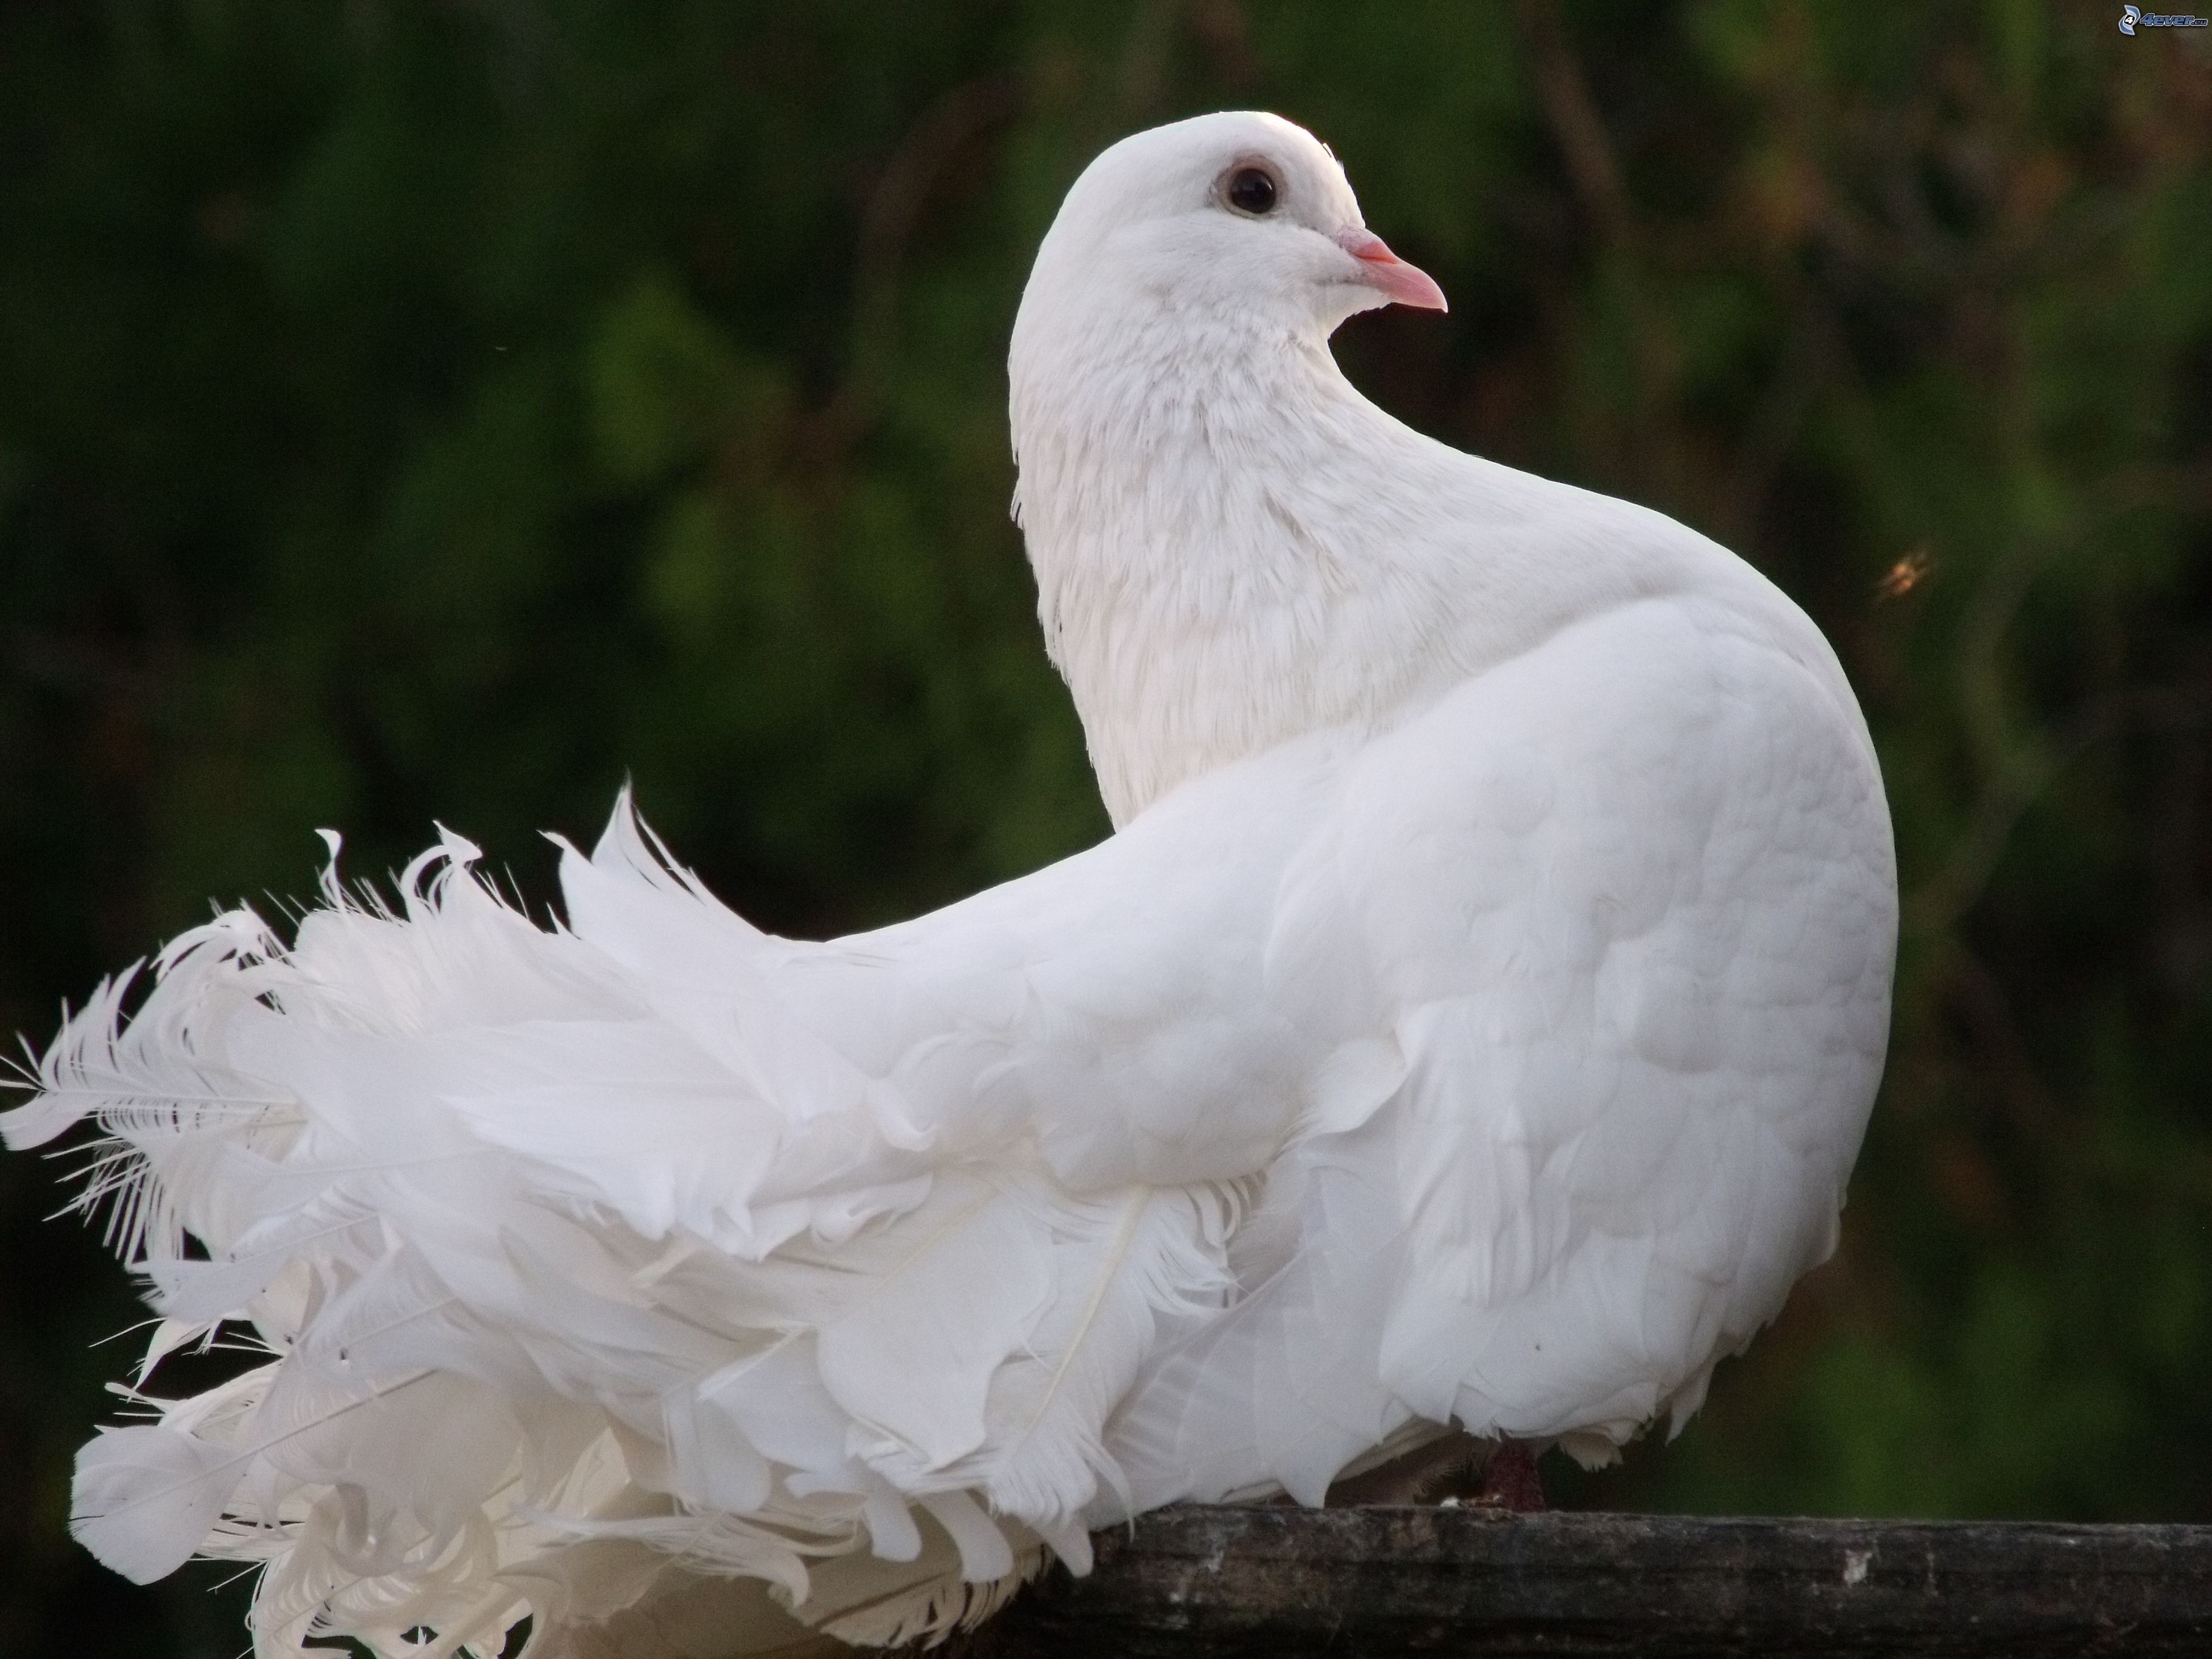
<point>1625,906</point>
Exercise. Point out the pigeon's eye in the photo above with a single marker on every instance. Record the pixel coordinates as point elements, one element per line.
<point>1251,191</point>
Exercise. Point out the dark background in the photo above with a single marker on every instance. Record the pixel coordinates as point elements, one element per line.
<point>414,410</point>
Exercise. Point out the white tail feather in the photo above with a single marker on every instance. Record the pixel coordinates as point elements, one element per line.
<point>555,1259</point>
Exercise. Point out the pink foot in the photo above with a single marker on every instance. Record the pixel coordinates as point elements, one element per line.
<point>1509,1480</point>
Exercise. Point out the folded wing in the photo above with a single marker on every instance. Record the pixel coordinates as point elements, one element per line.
<point>1624,909</point>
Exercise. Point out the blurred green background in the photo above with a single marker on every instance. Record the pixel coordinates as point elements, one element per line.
<point>414,410</point>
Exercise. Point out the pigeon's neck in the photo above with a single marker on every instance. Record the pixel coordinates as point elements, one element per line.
<point>1233,548</point>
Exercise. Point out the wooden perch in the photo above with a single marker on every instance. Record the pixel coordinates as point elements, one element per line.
<point>1283,1582</point>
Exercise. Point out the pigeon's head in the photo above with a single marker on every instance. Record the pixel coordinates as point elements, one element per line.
<point>1235,218</point>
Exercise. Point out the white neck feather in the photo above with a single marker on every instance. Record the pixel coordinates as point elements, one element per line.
<point>1233,548</point>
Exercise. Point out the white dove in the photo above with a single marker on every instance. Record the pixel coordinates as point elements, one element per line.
<point>1471,1023</point>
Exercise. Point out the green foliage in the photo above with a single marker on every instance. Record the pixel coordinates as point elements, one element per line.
<point>413,412</point>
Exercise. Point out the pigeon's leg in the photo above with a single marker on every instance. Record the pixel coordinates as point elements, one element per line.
<point>1431,1472</point>
<point>1510,1479</point>
<point>1453,1468</point>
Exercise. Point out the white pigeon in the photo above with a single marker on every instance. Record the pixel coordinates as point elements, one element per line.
<point>1471,1022</point>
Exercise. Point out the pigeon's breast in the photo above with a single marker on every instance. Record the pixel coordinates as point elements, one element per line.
<point>1270,608</point>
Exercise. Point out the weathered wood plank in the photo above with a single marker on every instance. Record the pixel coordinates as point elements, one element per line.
<point>1283,1582</point>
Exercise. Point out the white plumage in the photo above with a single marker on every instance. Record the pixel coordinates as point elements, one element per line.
<point>1473,1020</point>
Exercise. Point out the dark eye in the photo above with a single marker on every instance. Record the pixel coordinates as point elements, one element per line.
<point>1251,191</point>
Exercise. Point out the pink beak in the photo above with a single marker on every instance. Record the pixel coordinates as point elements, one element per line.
<point>1406,285</point>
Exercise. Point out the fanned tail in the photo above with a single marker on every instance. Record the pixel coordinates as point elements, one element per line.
<point>582,1260</point>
